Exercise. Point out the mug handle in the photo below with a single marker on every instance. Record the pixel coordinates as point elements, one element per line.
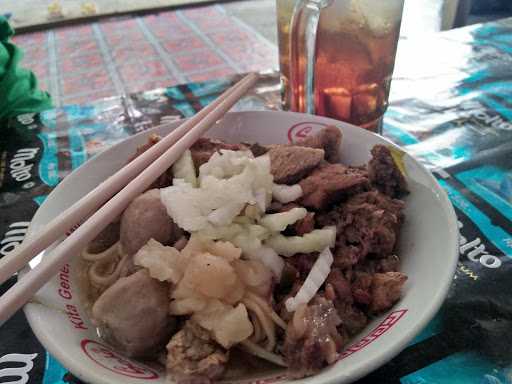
<point>303,34</point>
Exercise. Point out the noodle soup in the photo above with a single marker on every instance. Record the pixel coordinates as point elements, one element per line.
<point>427,249</point>
<point>278,252</point>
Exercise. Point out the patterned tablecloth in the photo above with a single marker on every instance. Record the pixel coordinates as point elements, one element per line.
<point>451,107</point>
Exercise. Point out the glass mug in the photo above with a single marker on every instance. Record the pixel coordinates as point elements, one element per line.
<point>337,57</point>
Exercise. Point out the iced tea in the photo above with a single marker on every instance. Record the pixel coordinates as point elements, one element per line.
<point>354,54</point>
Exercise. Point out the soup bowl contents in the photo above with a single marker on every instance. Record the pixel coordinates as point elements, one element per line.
<point>278,251</point>
<point>254,259</point>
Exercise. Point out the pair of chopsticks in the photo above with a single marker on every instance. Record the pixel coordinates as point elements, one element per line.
<point>106,202</point>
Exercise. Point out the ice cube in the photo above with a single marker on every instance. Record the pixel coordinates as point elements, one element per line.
<point>365,101</point>
<point>335,102</point>
<point>380,16</point>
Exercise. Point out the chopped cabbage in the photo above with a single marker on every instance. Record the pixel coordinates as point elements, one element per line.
<point>211,314</point>
<point>225,164</point>
<point>234,327</point>
<point>227,183</point>
<point>255,275</point>
<point>183,204</point>
<point>314,241</point>
<point>237,293</point>
<point>187,306</point>
<point>163,263</point>
<point>286,193</point>
<point>278,222</point>
<point>184,169</point>
<point>250,238</point>
<point>228,325</point>
<point>251,212</point>
<point>269,258</point>
<point>316,277</point>
<point>225,214</point>
<point>225,249</point>
<point>210,275</point>
<point>195,244</point>
<point>225,232</point>
<point>210,281</point>
<point>247,242</point>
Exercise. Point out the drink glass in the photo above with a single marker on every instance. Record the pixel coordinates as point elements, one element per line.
<point>337,57</point>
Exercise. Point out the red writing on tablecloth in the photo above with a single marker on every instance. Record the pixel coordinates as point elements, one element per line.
<point>303,130</point>
<point>108,359</point>
<point>64,291</point>
<point>382,328</point>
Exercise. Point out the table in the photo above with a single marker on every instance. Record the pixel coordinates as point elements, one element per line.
<point>450,107</point>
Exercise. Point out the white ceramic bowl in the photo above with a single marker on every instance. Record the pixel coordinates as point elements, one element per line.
<point>428,250</point>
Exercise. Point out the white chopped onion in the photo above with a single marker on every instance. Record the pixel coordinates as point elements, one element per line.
<point>227,182</point>
<point>163,263</point>
<point>269,258</point>
<point>286,193</point>
<point>184,169</point>
<point>277,222</point>
<point>261,199</point>
<point>314,241</point>
<point>225,214</point>
<point>313,282</point>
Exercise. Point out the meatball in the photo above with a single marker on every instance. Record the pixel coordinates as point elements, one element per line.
<point>107,238</point>
<point>146,218</point>
<point>133,314</point>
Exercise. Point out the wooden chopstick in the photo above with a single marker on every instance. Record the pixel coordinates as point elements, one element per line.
<point>72,216</point>
<point>27,286</point>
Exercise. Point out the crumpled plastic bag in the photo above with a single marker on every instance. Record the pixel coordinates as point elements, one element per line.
<point>19,91</point>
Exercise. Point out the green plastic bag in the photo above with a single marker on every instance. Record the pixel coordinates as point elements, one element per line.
<point>19,92</point>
